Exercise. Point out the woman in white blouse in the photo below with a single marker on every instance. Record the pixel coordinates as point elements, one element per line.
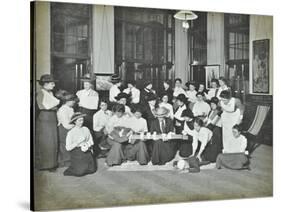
<point>235,155</point>
<point>64,114</point>
<point>223,86</point>
<point>133,92</point>
<point>165,103</point>
<point>200,134</point>
<point>232,113</point>
<point>79,143</point>
<point>191,93</point>
<point>88,100</point>
<point>178,88</point>
<point>136,149</point>
<point>46,142</point>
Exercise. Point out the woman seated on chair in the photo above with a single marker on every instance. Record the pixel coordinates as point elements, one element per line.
<point>136,148</point>
<point>116,123</point>
<point>235,156</point>
<point>163,150</point>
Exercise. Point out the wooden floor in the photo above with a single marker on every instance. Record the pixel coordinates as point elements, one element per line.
<point>109,188</point>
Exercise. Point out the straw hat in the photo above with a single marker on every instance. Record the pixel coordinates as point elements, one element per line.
<point>161,112</point>
<point>76,116</point>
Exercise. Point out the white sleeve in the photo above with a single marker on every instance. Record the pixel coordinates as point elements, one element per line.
<point>194,144</point>
<point>64,119</point>
<point>187,130</point>
<point>96,123</point>
<point>243,144</point>
<point>137,97</point>
<point>89,141</point>
<point>69,144</point>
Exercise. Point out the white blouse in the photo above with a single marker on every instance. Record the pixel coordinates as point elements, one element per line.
<point>138,125</point>
<point>191,95</point>
<point>88,99</point>
<point>178,91</point>
<point>236,145</point>
<point>204,136</point>
<point>113,92</point>
<point>114,121</point>
<point>201,108</point>
<point>46,100</point>
<point>77,137</point>
<point>135,94</point>
<point>64,115</point>
<point>212,93</point>
<point>169,107</point>
<point>100,119</point>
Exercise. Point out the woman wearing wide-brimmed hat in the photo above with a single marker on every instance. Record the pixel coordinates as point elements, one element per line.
<point>88,100</point>
<point>122,98</point>
<point>163,151</point>
<point>79,143</point>
<point>115,88</point>
<point>64,115</point>
<point>46,143</point>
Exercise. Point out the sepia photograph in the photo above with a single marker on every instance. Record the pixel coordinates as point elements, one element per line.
<point>138,106</point>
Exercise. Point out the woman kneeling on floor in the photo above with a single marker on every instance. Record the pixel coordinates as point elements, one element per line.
<point>202,140</point>
<point>79,142</point>
<point>235,156</point>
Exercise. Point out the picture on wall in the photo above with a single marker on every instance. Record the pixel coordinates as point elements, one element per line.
<point>260,66</point>
<point>103,82</point>
<point>212,72</point>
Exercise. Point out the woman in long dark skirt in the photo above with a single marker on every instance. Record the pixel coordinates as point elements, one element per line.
<point>185,146</point>
<point>79,143</point>
<point>46,134</point>
<point>213,122</point>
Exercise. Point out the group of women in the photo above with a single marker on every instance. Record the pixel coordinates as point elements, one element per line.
<point>132,124</point>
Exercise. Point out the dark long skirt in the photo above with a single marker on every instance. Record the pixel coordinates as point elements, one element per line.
<point>64,155</point>
<point>82,163</point>
<point>235,161</point>
<point>88,120</point>
<point>138,152</point>
<point>185,147</point>
<point>214,147</point>
<point>46,143</point>
<point>163,152</point>
<point>116,153</point>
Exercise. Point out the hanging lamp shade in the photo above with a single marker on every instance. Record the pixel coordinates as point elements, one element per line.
<point>185,15</point>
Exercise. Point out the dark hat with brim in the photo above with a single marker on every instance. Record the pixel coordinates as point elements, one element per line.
<point>46,78</point>
<point>146,83</point>
<point>115,78</point>
<point>76,116</point>
<point>181,97</point>
<point>88,78</point>
<point>121,96</point>
<point>187,113</point>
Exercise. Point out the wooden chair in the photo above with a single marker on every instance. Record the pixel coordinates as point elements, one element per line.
<point>254,129</point>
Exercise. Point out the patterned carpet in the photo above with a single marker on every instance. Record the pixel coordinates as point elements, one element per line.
<point>116,188</point>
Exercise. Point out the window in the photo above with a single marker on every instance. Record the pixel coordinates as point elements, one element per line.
<point>237,52</point>
<point>70,28</point>
<point>198,47</point>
